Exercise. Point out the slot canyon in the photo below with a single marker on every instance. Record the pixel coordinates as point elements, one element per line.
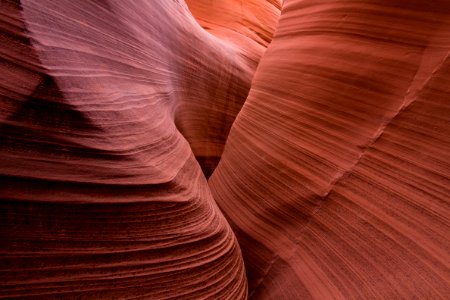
<point>225,149</point>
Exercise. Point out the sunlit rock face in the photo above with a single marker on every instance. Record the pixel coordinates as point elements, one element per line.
<point>331,122</point>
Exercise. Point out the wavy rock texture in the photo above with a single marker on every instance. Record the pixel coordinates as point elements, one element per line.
<point>250,23</point>
<point>101,195</point>
<point>246,27</point>
<point>336,171</point>
<point>335,176</point>
<point>237,21</point>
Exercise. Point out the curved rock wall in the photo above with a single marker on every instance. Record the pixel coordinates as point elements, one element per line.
<point>245,28</point>
<point>101,194</point>
<point>336,171</point>
<point>335,175</point>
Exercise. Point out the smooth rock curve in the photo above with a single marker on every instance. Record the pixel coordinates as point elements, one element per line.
<point>335,175</point>
<point>101,194</point>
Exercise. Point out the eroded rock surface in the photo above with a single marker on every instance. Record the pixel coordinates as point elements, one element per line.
<point>335,175</point>
<point>336,171</point>
<point>101,194</point>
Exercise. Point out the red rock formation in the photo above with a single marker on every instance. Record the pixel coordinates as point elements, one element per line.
<point>236,22</point>
<point>244,28</point>
<point>336,171</point>
<point>101,195</point>
<point>335,176</point>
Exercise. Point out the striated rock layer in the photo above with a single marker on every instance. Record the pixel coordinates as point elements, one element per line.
<point>101,194</point>
<point>336,174</point>
<point>244,27</point>
<point>335,177</point>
